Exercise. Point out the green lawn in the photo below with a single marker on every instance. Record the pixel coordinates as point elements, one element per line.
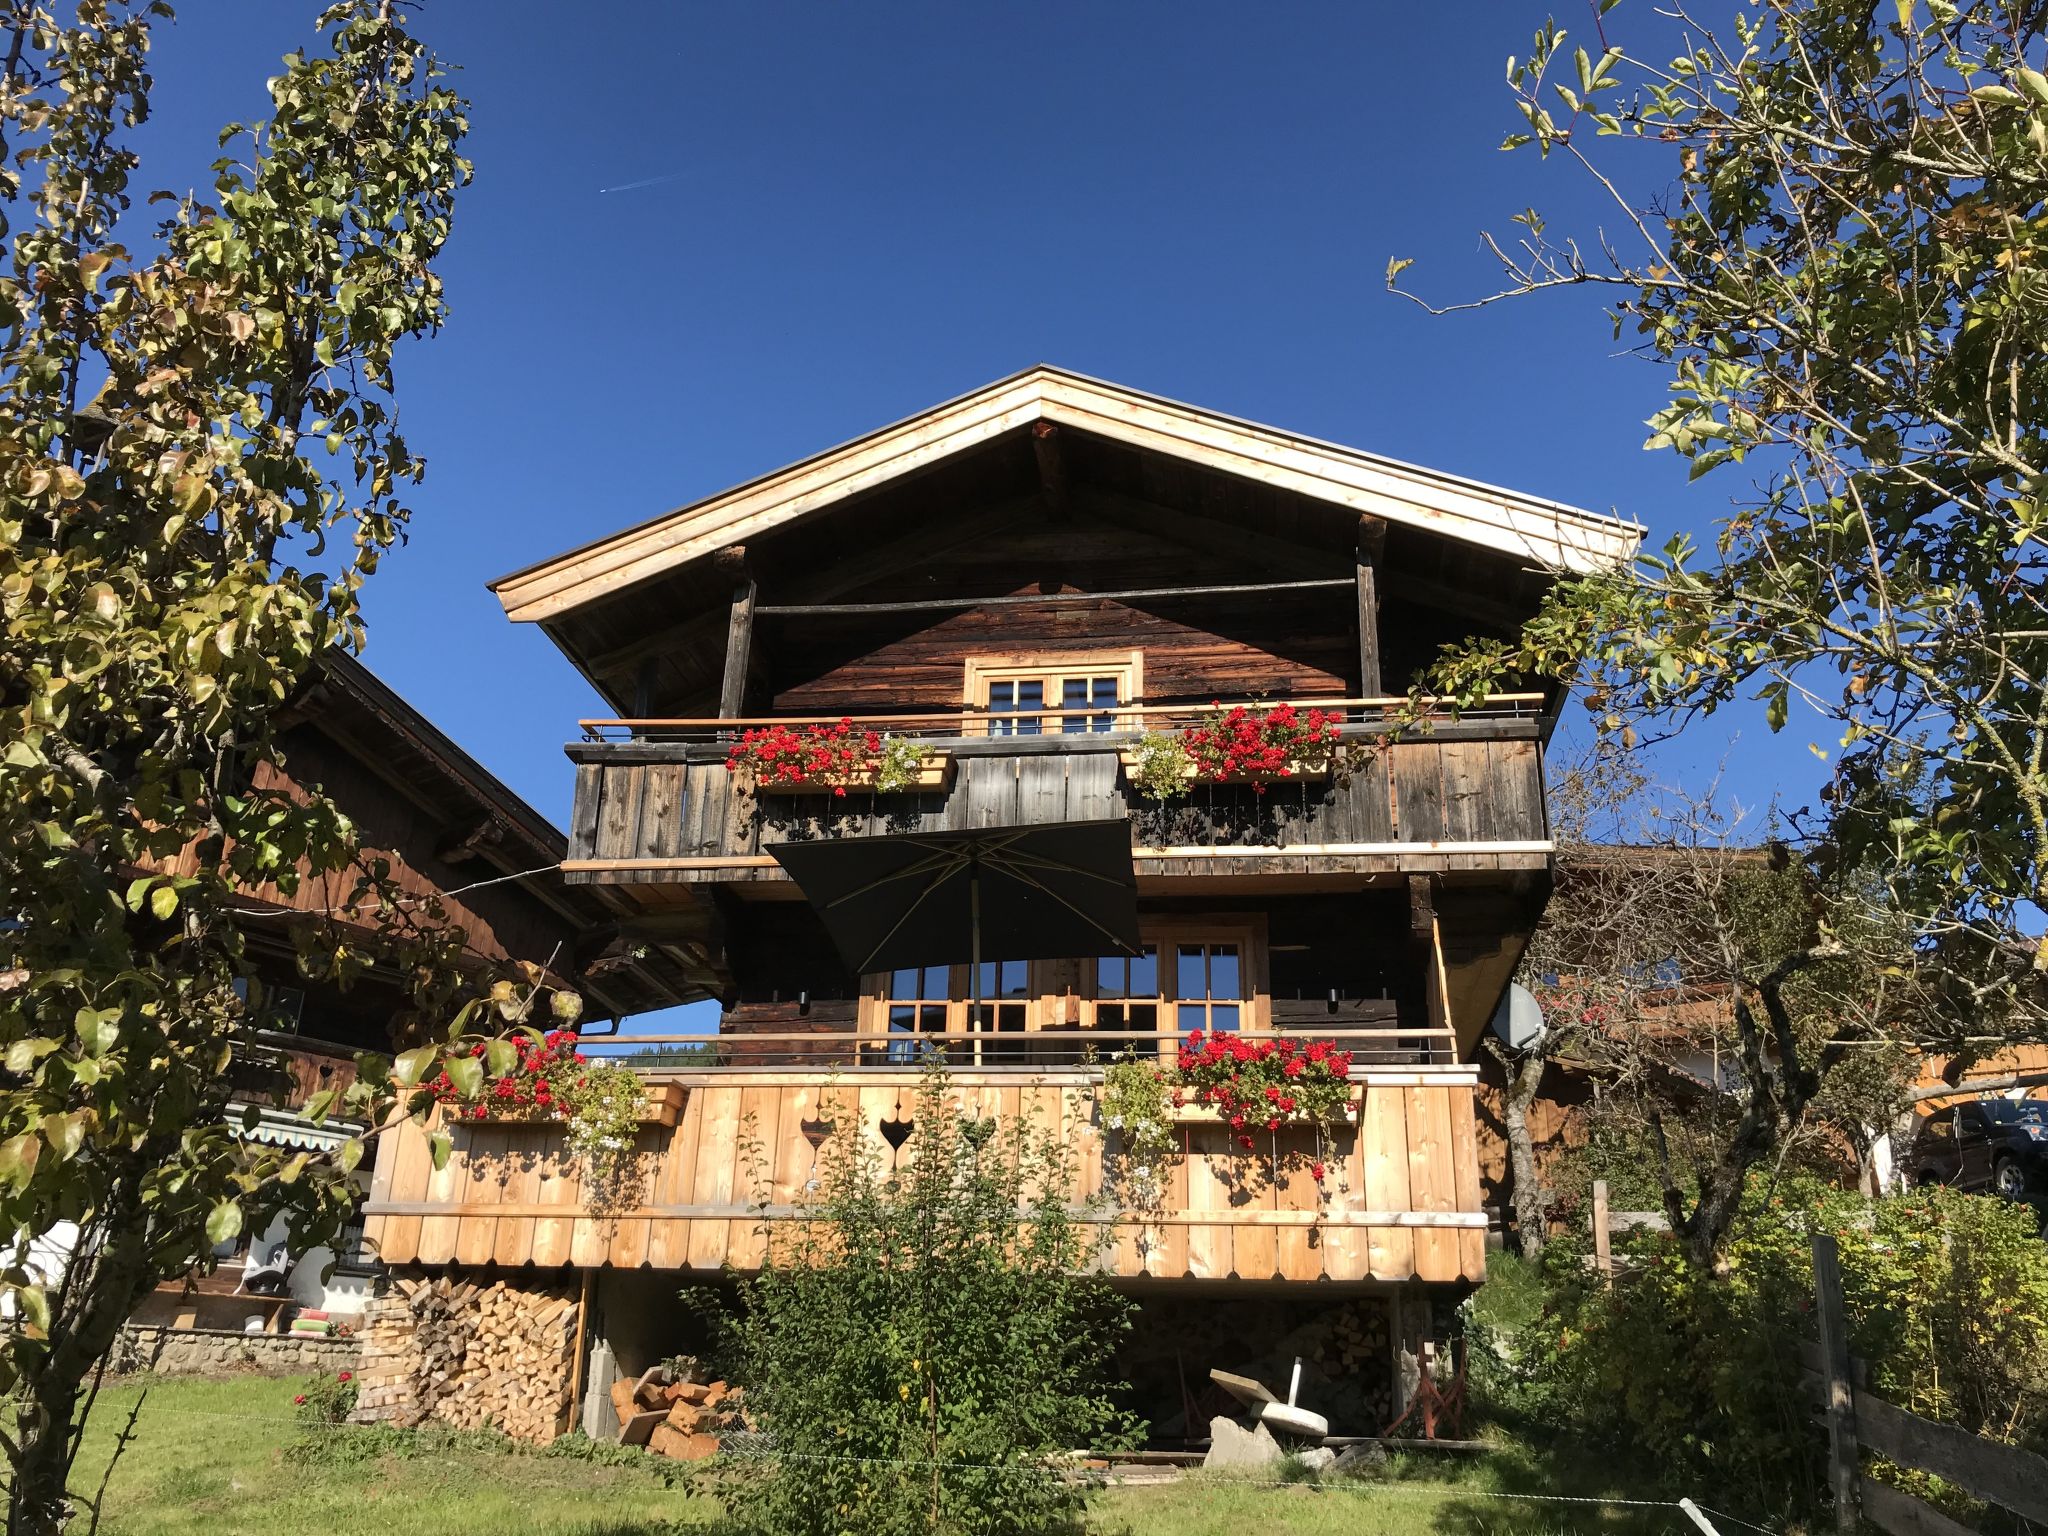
<point>212,1457</point>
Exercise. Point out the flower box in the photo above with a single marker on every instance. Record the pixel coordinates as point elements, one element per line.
<point>932,772</point>
<point>1208,1114</point>
<point>1303,770</point>
<point>661,1106</point>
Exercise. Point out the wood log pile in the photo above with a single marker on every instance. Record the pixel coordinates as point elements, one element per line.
<point>469,1354</point>
<point>675,1416</point>
<point>1354,1348</point>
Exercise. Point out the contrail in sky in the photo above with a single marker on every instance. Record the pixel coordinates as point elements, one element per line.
<point>648,181</point>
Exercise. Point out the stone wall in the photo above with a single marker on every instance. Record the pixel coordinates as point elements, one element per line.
<point>199,1351</point>
<point>475,1353</point>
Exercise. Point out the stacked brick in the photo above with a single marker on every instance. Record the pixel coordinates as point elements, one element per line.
<point>469,1354</point>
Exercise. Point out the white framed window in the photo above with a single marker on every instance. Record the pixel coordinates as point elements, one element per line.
<point>1055,695</point>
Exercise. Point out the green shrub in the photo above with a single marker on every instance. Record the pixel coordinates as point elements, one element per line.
<point>923,1343</point>
<point>1699,1372</point>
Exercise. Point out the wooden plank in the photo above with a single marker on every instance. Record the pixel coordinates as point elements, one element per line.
<point>618,821</point>
<point>438,1233</point>
<point>661,810</point>
<point>1900,1514</point>
<point>1368,626</point>
<point>583,811</point>
<point>518,1184</point>
<point>1468,784</point>
<point>1465,1177</point>
<point>668,1240</point>
<point>2001,1474</point>
<point>1417,769</point>
<point>1038,599</point>
<point>1603,1254</point>
<point>476,1237</point>
<point>558,1189</point>
<point>1208,1245</point>
<point>1298,1253</point>
<point>739,645</point>
<point>1841,1393</point>
<point>1430,1176</point>
<point>1383,1139</point>
<point>718,1152</point>
<point>761,1123</point>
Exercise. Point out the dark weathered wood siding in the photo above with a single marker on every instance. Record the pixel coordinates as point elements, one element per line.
<point>631,805</point>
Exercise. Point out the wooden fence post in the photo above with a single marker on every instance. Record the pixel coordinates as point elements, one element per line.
<point>1603,1256</point>
<point>1835,1381</point>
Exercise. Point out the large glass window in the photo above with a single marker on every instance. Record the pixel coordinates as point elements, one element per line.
<point>917,1006</point>
<point>1208,987</point>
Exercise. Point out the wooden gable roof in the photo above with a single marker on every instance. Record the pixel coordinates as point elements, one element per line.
<point>1528,529</point>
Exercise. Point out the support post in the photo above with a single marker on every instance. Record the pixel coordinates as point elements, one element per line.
<point>1603,1253</point>
<point>1407,1332</point>
<point>739,632</point>
<point>1835,1380</point>
<point>1372,540</point>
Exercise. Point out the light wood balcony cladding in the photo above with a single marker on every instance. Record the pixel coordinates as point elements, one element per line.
<point>660,812</point>
<point>1401,1202</point>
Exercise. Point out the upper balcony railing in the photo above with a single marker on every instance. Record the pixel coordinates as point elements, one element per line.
<point>655,801</point>
<point>1083,726</point>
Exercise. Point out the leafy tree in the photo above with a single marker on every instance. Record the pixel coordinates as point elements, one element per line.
<point>1847,278</point>
<point>923,1341</point>
<point>200,465</point>
<point>1735,1014</point>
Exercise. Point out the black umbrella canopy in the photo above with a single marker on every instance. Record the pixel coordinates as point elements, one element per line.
<point>1056,891</point>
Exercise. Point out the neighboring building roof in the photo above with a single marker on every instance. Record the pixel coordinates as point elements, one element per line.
<point>489,831</point>
<point>1544,532</point>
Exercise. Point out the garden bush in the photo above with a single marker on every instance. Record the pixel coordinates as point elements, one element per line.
<point>1699,1371</point>
<point>923,1343</point>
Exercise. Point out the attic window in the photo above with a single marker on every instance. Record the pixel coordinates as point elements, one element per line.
<point>1055,695</point>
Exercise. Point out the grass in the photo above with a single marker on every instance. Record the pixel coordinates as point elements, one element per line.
<point>212,1457</point>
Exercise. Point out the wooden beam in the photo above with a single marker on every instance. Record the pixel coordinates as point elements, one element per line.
<point>1232,540</point>
<point>1467,604</point>
<point>1052,469</point>
<point>1026,599</point>
<point>739,631</point>
<point>1372,543</point>
<point>1840,1393</point>
<point>697,629</point>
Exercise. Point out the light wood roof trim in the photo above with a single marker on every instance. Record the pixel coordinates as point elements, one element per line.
<point>1547,533</point>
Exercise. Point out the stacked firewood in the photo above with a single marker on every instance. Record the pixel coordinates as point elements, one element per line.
<point>1352,1349</point>
<point>469,1354</point>
<point>673,1415</point>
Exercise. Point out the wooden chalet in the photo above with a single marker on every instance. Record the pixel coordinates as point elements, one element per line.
<point>1025,581</point>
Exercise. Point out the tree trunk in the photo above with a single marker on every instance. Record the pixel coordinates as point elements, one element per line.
<point>1531,1200</point>
<point>116,1279</point>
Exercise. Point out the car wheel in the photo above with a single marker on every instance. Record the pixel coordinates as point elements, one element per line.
<point>2009,1180</point>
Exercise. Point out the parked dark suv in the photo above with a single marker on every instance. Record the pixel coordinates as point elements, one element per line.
<point>1999,1145</point>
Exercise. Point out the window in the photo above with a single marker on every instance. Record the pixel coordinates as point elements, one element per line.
<point>1055,695</point>
<point>936,999</point>
<point>1208,987</point>
<point>1185,978</point>
<point>917,1006</point>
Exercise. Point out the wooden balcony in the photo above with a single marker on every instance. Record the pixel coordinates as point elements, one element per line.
<point>1400,1199</point>
<point>655,803</point>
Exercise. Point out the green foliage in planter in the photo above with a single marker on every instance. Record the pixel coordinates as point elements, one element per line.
<point>1133,1100</point>
<point>924,1341</point>
<point>1697,1371</point>
<point>898,763</point>
<point>1159,766</point>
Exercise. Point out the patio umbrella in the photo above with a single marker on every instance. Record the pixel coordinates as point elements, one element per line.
<point>1059,890</point>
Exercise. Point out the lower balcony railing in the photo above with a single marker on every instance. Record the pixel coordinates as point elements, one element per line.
<point>999,1050</point>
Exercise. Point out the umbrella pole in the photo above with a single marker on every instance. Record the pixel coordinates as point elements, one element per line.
<point>974,951</point>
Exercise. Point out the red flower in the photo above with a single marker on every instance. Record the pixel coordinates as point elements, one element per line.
<point>346,1376</point>
<point>300,1399</point>
<point>1316,1171</point>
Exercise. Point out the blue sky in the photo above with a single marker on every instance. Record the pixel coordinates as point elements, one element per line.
<point>822,218</point>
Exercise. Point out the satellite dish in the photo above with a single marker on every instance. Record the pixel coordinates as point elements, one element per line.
<point>1518,1021</point>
